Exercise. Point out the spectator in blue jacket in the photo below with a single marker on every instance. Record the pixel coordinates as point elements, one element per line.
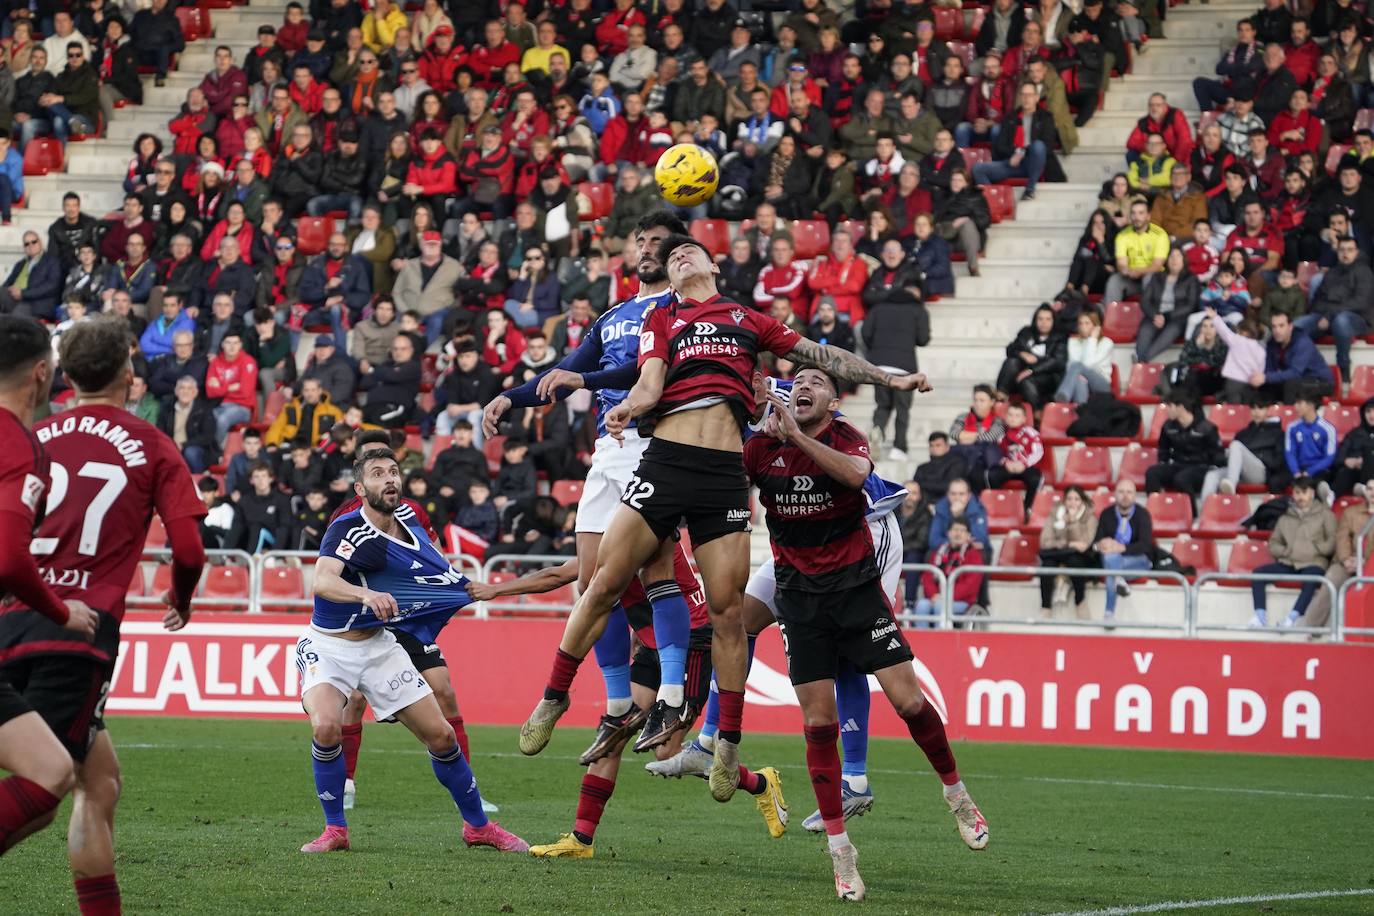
<point>1309,445</point>
<point>534,297</point>
<point>958,501</point>
<point>134,273</point>
<point>11,176</point>
<point>930,253</point>
<point>599,105</point>
<point>1292,364</point>
<point>34,284</point>
<point>157,337</point>
<point>334,281</point>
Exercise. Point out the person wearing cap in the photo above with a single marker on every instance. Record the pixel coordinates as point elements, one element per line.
<point>440,62</point>
<point>335,371</point>
<point>780,102</point>
<point>425,284</point>
<point>341,179</point>
<point>432,176</point>
<point>1239,121</point>
<point>427,19</point>
<point>316,56</point>
<point>741,49</point>
<point>381,24</point>
<point>266,49</point>
<point>488,176</point>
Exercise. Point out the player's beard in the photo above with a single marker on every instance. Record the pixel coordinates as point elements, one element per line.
<point>384,502</point>
<point>653,273</point>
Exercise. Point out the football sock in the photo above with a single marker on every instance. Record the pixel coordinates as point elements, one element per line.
<point>837,840</point>
<point>852,699</point>
<point>453,771</point>
<point>711,724</point>
<point>352,741</point>
<point>731,715</point>
<point>330,774</point>
<point>613,658</point>
<point>698,671</point>
<point>823,763</point>
<point>929,734</point>
<point>672,630</point>
<point>751,782</point>
<point>561,677</point>
<point>22,801</point>
<point>461,733</point>
<point>98,896</point>
<point>591,801</point>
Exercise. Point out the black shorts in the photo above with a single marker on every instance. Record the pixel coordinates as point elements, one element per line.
<point>705,486</point>
<point>821,628</point>
<point>68,689</point>
<point>423,657</point>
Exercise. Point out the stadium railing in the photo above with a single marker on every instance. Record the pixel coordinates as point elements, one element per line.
<point>1342,631</point>
<point>927,620</point>
<point>1184,626</point>
<point>1272,578</point>
<point>151,597</point>
<point>304,560</point>
<point>558,602</point>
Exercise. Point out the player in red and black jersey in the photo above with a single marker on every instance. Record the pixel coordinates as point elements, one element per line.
<point>696,364</point>
<point>810,471</point>
<point>40,767</point>
<point>110,472</point>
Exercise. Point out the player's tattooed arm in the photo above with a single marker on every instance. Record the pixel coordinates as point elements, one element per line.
<point>847,367</point>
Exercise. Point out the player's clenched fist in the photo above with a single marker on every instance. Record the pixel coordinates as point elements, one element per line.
<point>915,381</point>
<point>81,619</point>
<point>481,591</point>
<point>382,604</point>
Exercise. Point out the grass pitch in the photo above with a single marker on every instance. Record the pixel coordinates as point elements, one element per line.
<point>214,812</point>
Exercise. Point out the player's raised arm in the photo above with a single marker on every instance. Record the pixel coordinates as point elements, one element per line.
<point>330,585</point>
<point>850,368</point>
<point>532,583</point>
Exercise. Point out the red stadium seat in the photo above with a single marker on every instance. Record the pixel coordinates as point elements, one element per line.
<point>282,583</point>
<point>1342,417</point>
<point>437,445</point>
<point>1055,421</point>
<point>1306,271</point>
<point>1088,466</point>
<point>1122,321</point>
<point>976,154</point>
<point>1364,119</point>
<point>1333,156</point>
<point>1229,419</point>
<point>157,534</point>
<point>43,156</point>
<point>1345,502</point>
<point>1045,503</point>
<point>1018,550</point>
<point>1049,469</point>
<point>810,237</point>
<point>1287,414</point>
<point>949,23</point>
<point>1199,554</point>
<point>1221,516</point>
<point>601,194</point>
<point>562,595</point>
<point>1005,508</point>
<point>276,400</point>
<point>962,50</point>
<point>1140,388</point>
<point>1246,555</point>
<point>195,22</point>
<point>1135,461</point>
<point>226,582</point>
<point>1001,201</point>
<point>714,234</point>
<point>1361,385</point>
<point>1156,424</point>
<point>566,492</point>
<point>162,579</point>
<point>312,234</point>
<point>1102,498</point>
<point>493,449</point>
<point>1172,513</point>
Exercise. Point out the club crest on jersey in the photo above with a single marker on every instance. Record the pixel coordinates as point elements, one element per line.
<point>737,315</point>
<point>344,550</point>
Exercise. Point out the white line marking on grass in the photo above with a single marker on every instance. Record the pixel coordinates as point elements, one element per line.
<point>1169,905</point>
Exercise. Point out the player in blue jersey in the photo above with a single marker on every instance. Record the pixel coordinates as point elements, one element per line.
<point>377,570</point>
<point>606,362</point>
<point>851,686</point>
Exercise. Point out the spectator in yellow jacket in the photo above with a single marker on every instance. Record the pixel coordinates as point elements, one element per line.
<point>380,25</point>
<point>1151,173</point>
<point>309,415</point>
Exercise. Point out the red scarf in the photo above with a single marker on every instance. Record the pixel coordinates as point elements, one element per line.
<point>107,60</point>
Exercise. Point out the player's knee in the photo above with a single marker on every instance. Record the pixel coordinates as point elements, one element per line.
<point>909,706</point>
<point>815,718</point>
<point>440,741</point>
<point>101,790</point>
<point>327,734</point>
<point>446,698</point>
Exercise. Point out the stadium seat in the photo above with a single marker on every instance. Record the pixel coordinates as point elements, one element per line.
<point>1306,271</point>
<point>601,194</point>
<point>1247,554</point>
<point>162,579</point>
<point>1361,385</point>
<point>1135,461</point>
<point>1005,508</point>
<point>714,234</point>
<point>1229,419</point>
<point>949,23</point>
<point>1046,500</point>
<point>1102,499</point>
<point>1049,469</point>
<point>437,445</point>
<point>1364,119</point>
<point>157,534</point>
<point>1333,157</point>
<point>1156,424</point>
<point>1287,414</point>
<point>976,154</point>
<point>225,582</point>
<point>1345,502</point>
<point>1171,513</point>
<point>43,156</point>
<point>810,237</point>
<point>1018,549</point>
<point>1140,388</point>
<point>1341,416</point>
<point>195,22</point>
<point>566,492</point>
<point>312,234</point>
<point>276,400</point>
<point>1199,554</point>
<point>1221,516</point>
<point>1055,421</point>
<point>1087,466</point>
<point>564,595</point>
<point>282,583</point>
<point>964,51</point>
<point>492,449</point>
<point>1001,201</point>
<point>976,22</point>
<point>1122,321</point>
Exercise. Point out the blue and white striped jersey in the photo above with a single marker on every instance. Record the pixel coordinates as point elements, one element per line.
<point>428,591</point>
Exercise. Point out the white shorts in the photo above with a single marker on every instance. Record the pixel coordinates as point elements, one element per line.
<point>887,549</point>
<point>378,667</point>
<point>613,464</point>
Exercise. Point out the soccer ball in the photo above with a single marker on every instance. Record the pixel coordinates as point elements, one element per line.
<point>687,175</point>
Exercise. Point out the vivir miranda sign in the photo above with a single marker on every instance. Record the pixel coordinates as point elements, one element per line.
<point>1286,698</point>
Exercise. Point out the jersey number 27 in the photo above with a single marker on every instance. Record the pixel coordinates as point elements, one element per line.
<point>114,480</point>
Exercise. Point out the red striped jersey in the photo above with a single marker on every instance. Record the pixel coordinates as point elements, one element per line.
<point>692,591</point>
<point>711,349</point>
<point>24,479</point>
<point>817,525</point>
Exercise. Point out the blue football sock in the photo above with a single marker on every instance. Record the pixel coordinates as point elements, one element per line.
<point>328,764</point>
<point>672,630</point>
<point>711,721</point>
<point>453,771</point>
<point>613,658</point>
<point>852,698</point>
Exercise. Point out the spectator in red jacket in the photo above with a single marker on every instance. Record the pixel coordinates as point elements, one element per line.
<point>1022,449</point>
<point>780,102</point>
<point>1302,53</point>
<point>489,59</point>
<point>841,275</point>
<point>223,83</point>
<point>233,379</point>
<point>958,551</point>
<point>114,244</point>
<point>231,128</point>
<point>1297,130</point>
<point>432,177</point>
<point>1167,121</point>
<point>306,91</point>
<point>294,28</point>
<point>612,32</point>
<point>195,119</point>
<point>524,122</point>
<point>618,141</point>
<point>488,176</point>
<point>784,276</point>
<point>503,344</point>
<point>439,64</point>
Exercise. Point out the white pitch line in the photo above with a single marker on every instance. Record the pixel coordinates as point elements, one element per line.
<point>1171,905</point>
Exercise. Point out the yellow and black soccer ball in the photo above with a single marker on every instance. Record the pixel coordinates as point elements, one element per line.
<point>687,175</point>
